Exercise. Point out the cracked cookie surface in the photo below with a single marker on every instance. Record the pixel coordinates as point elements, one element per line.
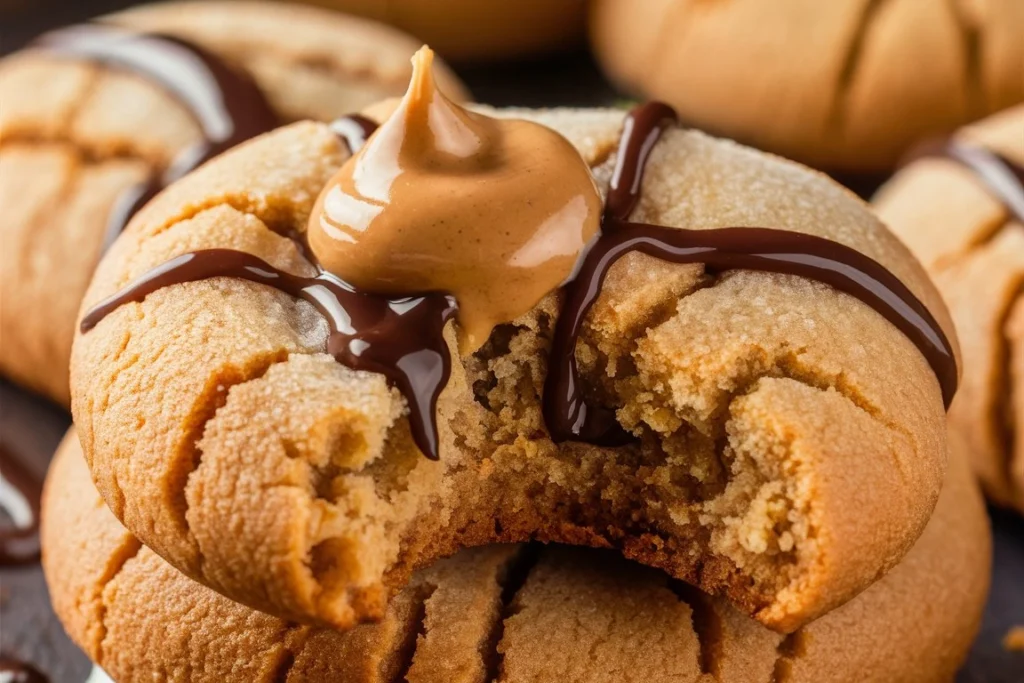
<point>511,614</point>
<point>77,135</point>
<point>974,248</point>
<point>791,440</point>
<point>846,86</point>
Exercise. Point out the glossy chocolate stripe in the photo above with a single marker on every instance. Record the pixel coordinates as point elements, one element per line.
<point>566,413</point>
<point>20,494</point>
<point>401,337</point>
<point>226,103</point>
<point>1003,177</point>
<point>16,671</point>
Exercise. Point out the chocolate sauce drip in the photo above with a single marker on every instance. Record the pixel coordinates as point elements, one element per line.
<point>354,130</point>
<point>20,494</point>
<point>398,337</point>
<point>1002,176</point>
<point>226,102</point>
<point>402,339</point>
<point>566,412</point>
<point>15,671</point>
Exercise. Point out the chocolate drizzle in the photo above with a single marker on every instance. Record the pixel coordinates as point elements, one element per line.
<point>20,494</point>
<point>226,102</point>
<point>399,337</point>
<point>566,412</point>
<point>1002,176</point>
<point>402,337</point>
<point>16,671</point>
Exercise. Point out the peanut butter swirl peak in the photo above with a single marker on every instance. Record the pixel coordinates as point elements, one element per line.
<point>444,213</point>
<point>493,211</point>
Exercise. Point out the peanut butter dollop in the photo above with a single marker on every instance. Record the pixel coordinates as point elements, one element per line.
<point>495,212</point>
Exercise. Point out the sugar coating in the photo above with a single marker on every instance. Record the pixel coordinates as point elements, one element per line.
<point>974,249</point>
<point>791,440</point>
<point>512,614</point>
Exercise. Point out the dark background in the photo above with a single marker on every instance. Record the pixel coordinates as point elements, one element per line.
<point>32,427</point>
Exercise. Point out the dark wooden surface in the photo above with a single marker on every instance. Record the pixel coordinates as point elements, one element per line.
<point>33,427</point>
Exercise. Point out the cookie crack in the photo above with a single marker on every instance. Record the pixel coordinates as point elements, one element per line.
<point>836,119</point>
<point>515,573</point>
<point>406,653</point>
<point>216,395</point>
<point>706,623</point>
<point>787,652</point>
<point>294,638</point>
<point>128,550</point>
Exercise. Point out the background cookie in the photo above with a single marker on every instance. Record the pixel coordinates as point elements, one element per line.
<point>511,613</point>
<point>974,247</point>
<point>838,85</point>
<point>797,435</point>
<point>76,135</point>
<point>479,30</point>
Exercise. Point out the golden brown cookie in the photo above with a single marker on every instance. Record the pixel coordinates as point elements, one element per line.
<point>791,439</point>
<point>479,30</point>
<point>839,85</point>
<point>77,135</point>
<point>974,247</point>
<point>511,613</point>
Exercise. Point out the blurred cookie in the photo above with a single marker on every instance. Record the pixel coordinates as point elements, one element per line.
<point>971,237</point>
<point>511,613</point>
<point>845,86</point>
<point>786,441</point>
<point>78,135</point>
<point>479,30</point>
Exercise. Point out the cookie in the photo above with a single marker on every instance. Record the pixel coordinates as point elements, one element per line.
<point>79,136</point>
<point>971,238</point>
<point>784,441</point>
<point>471,31</point>
<point>845,86</point>
<point>511,613</point>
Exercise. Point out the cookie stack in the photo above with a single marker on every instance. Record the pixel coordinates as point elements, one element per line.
<point>432,392</point>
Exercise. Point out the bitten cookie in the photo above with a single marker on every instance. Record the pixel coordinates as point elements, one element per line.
<point>511,613</point>
<point>77,136</point>
<point>786,441</point>
<point>479,30</point>
<point>972,241</point>
<point>845,86</point>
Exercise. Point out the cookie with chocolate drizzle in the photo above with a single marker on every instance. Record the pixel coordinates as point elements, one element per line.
<point>512,613</point>
<point>768,426</point>
<point>959,205</point>
<point>98,118</point>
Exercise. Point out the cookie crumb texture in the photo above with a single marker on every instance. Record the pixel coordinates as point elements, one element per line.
<point>974,249</point>
<point>791,441</point>
<point>840,85</point>
<point>511,614</point>
<point>77,135</point>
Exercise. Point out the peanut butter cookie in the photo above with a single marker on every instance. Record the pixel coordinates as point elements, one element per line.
<point>960,208</point>
<point>763,435</point>
<point>846,86</point>
<point>81,131</point>
<point>511,613</point>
